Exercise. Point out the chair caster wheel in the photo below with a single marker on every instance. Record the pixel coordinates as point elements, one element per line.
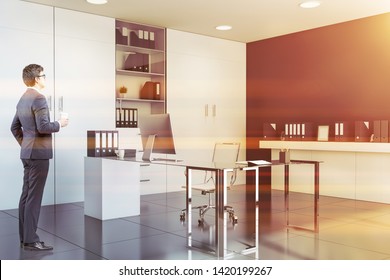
<point>235,220</point>
<point>183,217</point>
<point>200,222</point>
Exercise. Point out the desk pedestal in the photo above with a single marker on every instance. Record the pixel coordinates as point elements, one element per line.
<point>111,188</point>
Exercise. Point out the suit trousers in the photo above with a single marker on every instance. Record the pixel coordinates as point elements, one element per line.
<point>34,180</point>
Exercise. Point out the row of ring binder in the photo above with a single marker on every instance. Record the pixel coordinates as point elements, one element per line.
<point>135,38</point>
<point>341,131</point>
<point>102,143</point>
<point>126,117</point>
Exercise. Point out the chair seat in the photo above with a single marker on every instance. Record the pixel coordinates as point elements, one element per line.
<point>204,188</point>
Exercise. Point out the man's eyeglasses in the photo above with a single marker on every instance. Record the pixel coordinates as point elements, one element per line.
<point>42,76</point>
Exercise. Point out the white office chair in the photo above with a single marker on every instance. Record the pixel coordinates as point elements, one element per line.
<point>223,153</point>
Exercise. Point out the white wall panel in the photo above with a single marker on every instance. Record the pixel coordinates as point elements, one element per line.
<point>26,32</point>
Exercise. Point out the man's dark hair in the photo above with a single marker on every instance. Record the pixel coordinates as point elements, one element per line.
<point>30,72</point>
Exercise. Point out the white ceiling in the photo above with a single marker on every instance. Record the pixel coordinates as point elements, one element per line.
<point>252,20</point>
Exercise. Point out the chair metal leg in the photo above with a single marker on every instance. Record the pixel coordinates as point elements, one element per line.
<point>204,208</point>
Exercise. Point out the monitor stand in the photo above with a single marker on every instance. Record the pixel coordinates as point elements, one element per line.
<point>147,156</point>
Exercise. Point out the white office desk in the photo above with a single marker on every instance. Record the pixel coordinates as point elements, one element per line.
<point>111,193</point>
<point>112,190</point>
<point>112,186</point>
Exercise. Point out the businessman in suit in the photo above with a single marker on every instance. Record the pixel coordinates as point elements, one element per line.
<point>33,130</point>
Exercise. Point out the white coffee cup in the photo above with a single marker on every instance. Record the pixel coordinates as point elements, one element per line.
<point>120,153</point>
<point>64,115</point>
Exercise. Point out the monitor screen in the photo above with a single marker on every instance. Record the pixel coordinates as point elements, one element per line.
<point>156,134</point>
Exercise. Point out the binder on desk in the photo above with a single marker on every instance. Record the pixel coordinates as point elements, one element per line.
<point>363,131</point>
<point>110,139</point>
<point>299,131</point>
<point>103,147</point>
<point>101,143</point>
<point>384,131</point>
<point>308,131</point>
<point>381,131</point>
<point>343,131</point>
<point>377,131</point>
<point>269,131</point>
<point>303,131</point>
<point>112,142</point>
<point>94,143</point>
<point>115,141</point>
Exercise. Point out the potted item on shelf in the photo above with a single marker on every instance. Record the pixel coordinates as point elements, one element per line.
<point>122,91</point>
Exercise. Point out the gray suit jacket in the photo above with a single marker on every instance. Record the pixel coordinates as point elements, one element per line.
<point>32,128</point>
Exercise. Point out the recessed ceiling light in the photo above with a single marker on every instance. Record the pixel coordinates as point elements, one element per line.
<point>310,4</point>
<point>97,2</point>
<point>223,27</point>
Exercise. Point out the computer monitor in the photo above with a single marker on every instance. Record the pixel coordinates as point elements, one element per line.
<point>156,135</point>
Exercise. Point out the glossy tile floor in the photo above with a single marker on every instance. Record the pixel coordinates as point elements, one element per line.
<point>348,229</point>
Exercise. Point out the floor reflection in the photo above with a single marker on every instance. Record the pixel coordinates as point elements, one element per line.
<point>348,229</point>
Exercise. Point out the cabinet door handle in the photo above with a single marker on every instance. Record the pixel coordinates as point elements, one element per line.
<point>144,180</point>
<point>61,104</point>
<point>49,103</point>
<point>206,110</point>
<point>214,110</point>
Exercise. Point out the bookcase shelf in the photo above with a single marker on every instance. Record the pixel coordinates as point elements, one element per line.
<point>140,63</point>
<point>139,100</point>
<point>127,48</point>
<point>138,73</point>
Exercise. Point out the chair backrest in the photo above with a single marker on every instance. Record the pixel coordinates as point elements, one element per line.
<point>226,152</point>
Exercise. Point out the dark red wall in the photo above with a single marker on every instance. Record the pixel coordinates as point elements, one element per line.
<point>334,73</point>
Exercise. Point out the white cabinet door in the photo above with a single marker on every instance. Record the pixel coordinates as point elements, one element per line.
<point>84,88</point>
<point>153,178</point>
<point>26,32</point>
<point>206,82</point>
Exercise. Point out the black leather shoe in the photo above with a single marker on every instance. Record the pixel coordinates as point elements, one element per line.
<point>37,246</point>
<point>22,244</point>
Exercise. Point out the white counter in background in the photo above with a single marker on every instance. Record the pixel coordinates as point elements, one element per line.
<point>327,146</point>
<point>353,170</point>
